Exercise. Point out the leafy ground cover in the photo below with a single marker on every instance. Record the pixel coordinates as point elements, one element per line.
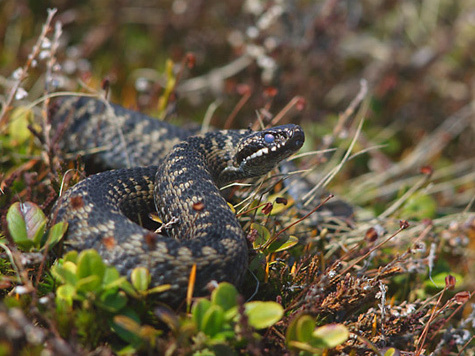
<point>384,91</point>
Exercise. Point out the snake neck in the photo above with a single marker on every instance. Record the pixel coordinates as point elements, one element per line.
<point>186,191</point>
<point>189,179</point>
<point>219,150</point>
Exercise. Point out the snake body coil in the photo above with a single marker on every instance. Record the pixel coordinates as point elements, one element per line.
<point>180,179</point>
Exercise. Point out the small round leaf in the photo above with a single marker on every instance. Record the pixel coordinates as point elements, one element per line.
<point>65,273</point>
<point>198,311</point>
<point>26,221</point>
<point>89,284</point>
<point>263,235</point>
<point>56,233</point>
<point>332,335</point>
<point>66,293</point>
<point>225,295</point>
<point>112,301</point>
<point>90,264</point>
<point>213,320</point>
<point>18,130</point>
<point>305,327</point>
<point>263,314</point>
<point>282,244</point>
<point>140,278</point>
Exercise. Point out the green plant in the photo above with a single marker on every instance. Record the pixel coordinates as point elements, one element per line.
<point>84,276</point>
<point>302,335</point>
<point>269,244</point>
<point>221,318</point>
<point>100,290</point>
<point>27,227</point>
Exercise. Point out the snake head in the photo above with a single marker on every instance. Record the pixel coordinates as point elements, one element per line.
<point>259,152</point>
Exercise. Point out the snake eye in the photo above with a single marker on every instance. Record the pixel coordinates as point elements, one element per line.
<point>269,138</point>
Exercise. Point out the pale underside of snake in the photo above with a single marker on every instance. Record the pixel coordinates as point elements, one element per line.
<point>174,172</point>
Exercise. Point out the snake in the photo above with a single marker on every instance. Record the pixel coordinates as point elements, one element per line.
<point>155,166</point>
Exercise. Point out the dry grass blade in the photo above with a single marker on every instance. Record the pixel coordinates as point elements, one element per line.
<point>324,182</point>
<point>191,287</point>
<point>425,151</point>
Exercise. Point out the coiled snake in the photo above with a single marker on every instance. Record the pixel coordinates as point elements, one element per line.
<point>176,174</point>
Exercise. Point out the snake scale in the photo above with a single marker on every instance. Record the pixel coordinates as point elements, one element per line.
<point>175,173</point>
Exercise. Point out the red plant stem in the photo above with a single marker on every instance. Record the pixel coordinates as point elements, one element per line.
<point>236,109</point>
<point>367,254</point>
<point>423,336</point>
<point>284,111</point>
<point>449,318</point>
<point>252,209</point>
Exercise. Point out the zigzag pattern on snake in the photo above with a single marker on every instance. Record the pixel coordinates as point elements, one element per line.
<point>176,174</point>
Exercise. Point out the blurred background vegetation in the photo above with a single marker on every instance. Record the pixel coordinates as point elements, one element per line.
<point>417,56</point>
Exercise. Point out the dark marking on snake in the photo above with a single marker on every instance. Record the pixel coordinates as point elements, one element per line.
<point>173,172</point>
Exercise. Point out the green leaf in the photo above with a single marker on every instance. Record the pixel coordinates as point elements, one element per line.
<point>90,264</point>
<point>112,279</point>
<point>89,284</point>
<point>56,233</point>
<point>127,287</point>
<point>38,238</point>
<point>279,208</point>
<point>112,301</point>
<point>391,352</point>
<point>213,320</point>
<point>439,279</point>
<point>331,335</point>
<point>225,295</point>
<point>111,276</point>
<point>304,328</point>
<point>198,311</point>
<point>306,348</point>
<point>159,289</point>
<point>18,126</point>
<point>140,278</point>
<point>291,333</point>
<point>127,323</point>
<point>282,244</point>
<point>263,314</point>
<point>26,221</point>
<point>65,273</point>
<point>127,326</point>
<point>127,350</point>
<point>66,293</point>
<point>256,265</point>
<point>263,235</point>
<point>71,256</point>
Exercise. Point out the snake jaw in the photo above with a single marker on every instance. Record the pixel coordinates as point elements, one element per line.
<point>261,151</point>
<point>257,153</point>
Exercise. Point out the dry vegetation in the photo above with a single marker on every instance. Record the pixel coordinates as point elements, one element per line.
<point>384,91</point>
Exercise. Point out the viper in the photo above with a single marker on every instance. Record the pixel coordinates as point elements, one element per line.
<point>175,172</point>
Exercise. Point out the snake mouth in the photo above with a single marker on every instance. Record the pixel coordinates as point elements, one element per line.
<point>270,146</point>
